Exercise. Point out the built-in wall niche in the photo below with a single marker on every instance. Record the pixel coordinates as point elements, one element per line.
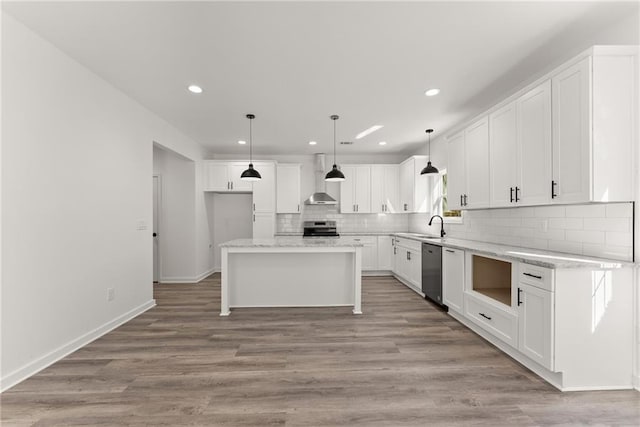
<point>492,278</point>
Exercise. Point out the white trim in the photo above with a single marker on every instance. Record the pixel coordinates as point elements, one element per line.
<point>50,358</point>
<point>376,273</point>
<point>188,279</point>
<point>635,380</point>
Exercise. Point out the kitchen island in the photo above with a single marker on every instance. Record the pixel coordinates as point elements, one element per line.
<point>291,272</point>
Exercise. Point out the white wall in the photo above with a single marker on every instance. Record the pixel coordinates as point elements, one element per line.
<point>177,230</point>
<point>231,216</point>
<point>76,189</point>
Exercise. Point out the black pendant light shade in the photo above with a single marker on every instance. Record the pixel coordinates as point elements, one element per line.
<point>334,175</point>
<point>429,169</point>
<point>250,174</point>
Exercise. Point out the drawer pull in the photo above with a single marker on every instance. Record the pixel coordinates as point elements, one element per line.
<point>533,275</point>
<point>519,300</point>
<point>485,316</point>
<point>450,251</point>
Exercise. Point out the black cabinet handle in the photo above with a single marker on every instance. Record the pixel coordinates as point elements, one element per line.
<point>409,256</point>
<point>395,250</point>
<point>553,189</point>
<point>465,200</point>
<point>519,300</point>
<point>533,275</point>
<point>511,194</point>
<point>461,201</point>
<point>517,199</point>
<point>449,250</point>
<point>485,316</point>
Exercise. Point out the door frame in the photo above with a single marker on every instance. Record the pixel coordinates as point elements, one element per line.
<point>157,207</point>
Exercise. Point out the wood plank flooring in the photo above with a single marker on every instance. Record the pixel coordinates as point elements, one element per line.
<point>402,363</point>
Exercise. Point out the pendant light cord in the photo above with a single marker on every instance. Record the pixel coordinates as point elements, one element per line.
<point>250,141</point>
<point>334,142</point>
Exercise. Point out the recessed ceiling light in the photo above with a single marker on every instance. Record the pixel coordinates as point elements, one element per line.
<point>382,143</point>
<point>195,89</point>
<point>368,131</point>
<point>432,92</point>
<point>312,143</point>
<point>242,142</point>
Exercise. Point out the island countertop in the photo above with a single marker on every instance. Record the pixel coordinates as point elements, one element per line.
<point>292,242</point>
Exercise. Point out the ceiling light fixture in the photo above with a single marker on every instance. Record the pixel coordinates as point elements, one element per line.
<point>242,142</point>
<point>429,170</point>
<point>250,174</point>
<point>195,89</point>
<point>366,132</point>
<point>382,143</point>
<point>312,143</point>
<point>432,92</point>
<point>334,174</point>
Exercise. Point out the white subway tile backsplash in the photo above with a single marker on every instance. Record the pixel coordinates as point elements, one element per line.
<point>619,210</point>
<point>564,246</point>
<point>610,251</point>
<point>615,238</point>
<point>608,224</point>
<point>566,223</point>
<point>586,211</point>
<point>550,212</point>
<point>585,236</point>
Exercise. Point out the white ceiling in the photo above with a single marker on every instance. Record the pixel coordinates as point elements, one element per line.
<point>295,63</point>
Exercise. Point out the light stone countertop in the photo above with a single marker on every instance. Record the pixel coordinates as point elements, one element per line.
<point>348,233</point>
<point>291,242</point>
<point>540,257</point>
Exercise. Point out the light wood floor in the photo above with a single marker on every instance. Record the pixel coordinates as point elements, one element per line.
<point>402,363</point>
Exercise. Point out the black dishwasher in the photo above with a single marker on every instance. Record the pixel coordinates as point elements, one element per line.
<point>432,272</point>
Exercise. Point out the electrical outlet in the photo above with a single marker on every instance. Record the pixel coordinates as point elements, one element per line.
<point>545,225</point>
<point>111,294</point>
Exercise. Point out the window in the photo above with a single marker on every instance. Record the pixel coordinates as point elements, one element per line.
<point>439,202</point>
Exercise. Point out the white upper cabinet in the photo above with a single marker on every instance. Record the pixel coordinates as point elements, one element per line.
<point>534,146</point>
<point>355,190</point>
<point>223,176</point>
<point>264,191</point>
<point>385,186</point>
<point>594,120</point>
<point>503,155</point>
<point>414,190</point>
<point>520,150</point>
<point>476,145</point>
<point>456,173</point>
<point>288,188</point>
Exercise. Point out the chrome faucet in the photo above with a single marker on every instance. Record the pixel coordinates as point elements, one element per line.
<point>442,233</point>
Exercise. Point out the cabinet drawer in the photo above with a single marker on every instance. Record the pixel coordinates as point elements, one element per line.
<point>412,245</point>
<point>540,277</point>
<point>365,240</point>
<point>502,324</point>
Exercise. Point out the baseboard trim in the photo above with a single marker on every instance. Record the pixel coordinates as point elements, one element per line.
<point>50,358</point>
<point>368,273</point>
<point>636,382</point>
<point>188,280</point>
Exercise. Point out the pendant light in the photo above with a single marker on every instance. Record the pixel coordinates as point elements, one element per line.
<point>250,174</point>
<point>334,174</point>
<point>429,170</point>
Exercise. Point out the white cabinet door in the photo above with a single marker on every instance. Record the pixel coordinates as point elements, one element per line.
<point>385,253</point>
<point>363,189</point>
<point>406,185</point>
<point>503,155</point>
<point>456,174</point>
<point>453,279</point>
<point>235,170</point>
<point>414,274</point>
<point>476,146</point>
<point>288,188</point>
<point>535,323</point>
<point>264,225</point>
<point>571,133</point>
<point>264,191</point>
<point>355,190</point>
<point>216,176</point>
<point>385,186</point>
<point>534,146</point>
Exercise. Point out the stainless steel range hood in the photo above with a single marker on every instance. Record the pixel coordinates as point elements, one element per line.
<point>320,197</point>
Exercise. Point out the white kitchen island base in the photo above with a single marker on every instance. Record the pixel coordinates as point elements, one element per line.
<point>290,273</point>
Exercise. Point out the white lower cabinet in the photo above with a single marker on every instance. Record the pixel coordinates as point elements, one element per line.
<point>369,250</point>
<point>408,262</point>
<point>453,279</point>
<point>499,322</point>
<point>385,253</point>
<point>264,225</point>
<point>535,319</point>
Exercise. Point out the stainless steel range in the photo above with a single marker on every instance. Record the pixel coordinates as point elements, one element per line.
<point>320,229</point>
